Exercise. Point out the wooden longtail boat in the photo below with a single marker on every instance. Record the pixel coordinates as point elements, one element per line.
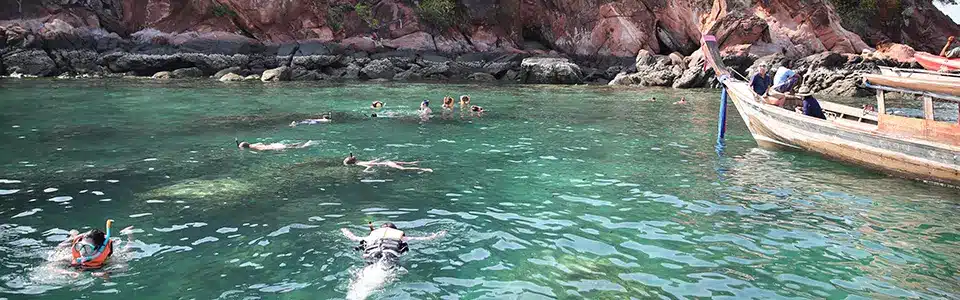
<point>913,148</point>
<point>920,74</point>
<point>937,63</point>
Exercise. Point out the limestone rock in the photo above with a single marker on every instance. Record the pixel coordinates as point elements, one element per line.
<point>187,73</point>
<point>277,74</point>
<point>221,73</point>
<point>380,68</point>
<point>30,62</point>
<point>230,77</point>
<point>550,70</point>
<point>483,77</point>
<point>162,75</point>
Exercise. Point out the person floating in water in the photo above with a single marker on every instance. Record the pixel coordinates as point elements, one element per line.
<point>323,119</point>
<point>464,101</point>
<point>683,101</point>
<point>273,146</point>
<point>399,165</point>
<point>425,110</point>
<point>385,244</point>
<point>376,105</point>
<point>653,99</point>
<point>477,110</point>
<point>448,103</point>
<point>91,250</point>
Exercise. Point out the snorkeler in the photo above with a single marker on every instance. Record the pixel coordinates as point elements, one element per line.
<point>273,146</point>
<point>448,103</point>
<point>385,244</point>
<point>478,110</point>
<point>91,250</point>
<point>399,165</point>
<point>425,110</point>
<point>323,119</point>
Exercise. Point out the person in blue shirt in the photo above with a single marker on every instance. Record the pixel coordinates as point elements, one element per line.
<point>811,107</point>
<point>760,82</point>
<point>785,80</point>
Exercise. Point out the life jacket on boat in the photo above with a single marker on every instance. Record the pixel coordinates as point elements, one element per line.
<point>383,243</point>
<point>95,261</point>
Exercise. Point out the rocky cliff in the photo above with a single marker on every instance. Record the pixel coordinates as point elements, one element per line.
<point>442,38</point>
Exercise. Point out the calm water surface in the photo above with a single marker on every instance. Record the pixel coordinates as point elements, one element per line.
<point>558,192</point>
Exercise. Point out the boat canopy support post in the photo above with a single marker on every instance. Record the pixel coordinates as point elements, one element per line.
<point>928,107</point>
<point>722,122</point>
<point>881,108</point>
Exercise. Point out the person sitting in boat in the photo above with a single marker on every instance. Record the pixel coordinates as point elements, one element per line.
<point>91,250</point>
<point>386,243</point>
<point>369,165</point>
<point>761,82</point>
<point>323,119</point>
<point>810,107</point>
<point>272,146</point>
<point>785,80</point>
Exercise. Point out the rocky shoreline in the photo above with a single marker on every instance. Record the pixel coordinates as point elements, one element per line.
<point>64,51</point>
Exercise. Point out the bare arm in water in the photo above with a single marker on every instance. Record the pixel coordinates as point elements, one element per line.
<point>347,233</point>
<point>425,238</point>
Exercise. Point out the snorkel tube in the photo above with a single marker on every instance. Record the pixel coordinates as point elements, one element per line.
<point>107,237</point>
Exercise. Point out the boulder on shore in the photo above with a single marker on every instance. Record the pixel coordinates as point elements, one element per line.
<point>30,62</point>
<point>229,77</point>
<point>221,73</point>
<point>162,75</point>
<point>187,73</point>
<point>379,68</point>
<point>550,70</point>
<point>480,76</point>
<point>278,74</point>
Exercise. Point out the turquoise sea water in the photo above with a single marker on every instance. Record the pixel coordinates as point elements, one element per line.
<point>557,192</point>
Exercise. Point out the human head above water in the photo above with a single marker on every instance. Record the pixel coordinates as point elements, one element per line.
<point>464,99</point>
<point>243,145</point>
<point>350,160</point>
<point>425,103</point>
<point>388,225</point>
<point>376,104</point>
<point>97,236</point>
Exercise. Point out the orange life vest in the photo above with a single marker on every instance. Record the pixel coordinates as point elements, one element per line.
<point>97,262</point>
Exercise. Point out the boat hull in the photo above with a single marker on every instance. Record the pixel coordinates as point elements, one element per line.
<point>773,126</point>
<point>937,63</point>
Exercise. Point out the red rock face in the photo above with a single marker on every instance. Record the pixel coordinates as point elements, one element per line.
<point>578,27</point>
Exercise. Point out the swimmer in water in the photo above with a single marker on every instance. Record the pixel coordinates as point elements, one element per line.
<point>425,110</point>
<point>381,250</point>
<point>477,110</point>
<point>369,165</point>
<point>448,103</point>
<point>323,119</point>
<point>653,99</point>
<point>464,101</point>
<point>683,101</point>
<point>92,250</point>
<point>273,146</point>
<point>386,243</point>
<point>376,105</point>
